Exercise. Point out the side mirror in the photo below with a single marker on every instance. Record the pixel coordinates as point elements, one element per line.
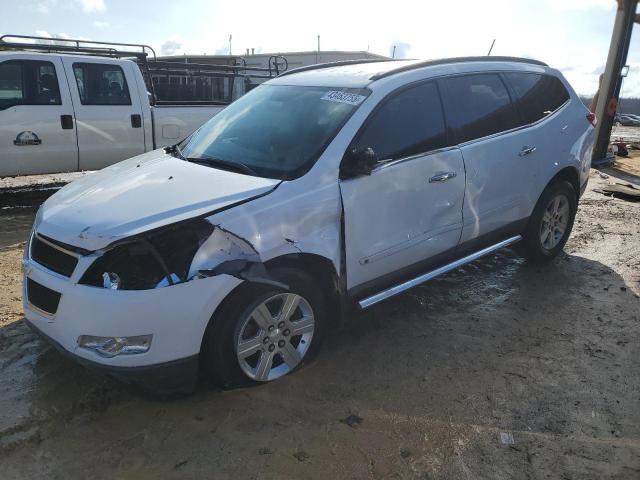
<point>357,162</point>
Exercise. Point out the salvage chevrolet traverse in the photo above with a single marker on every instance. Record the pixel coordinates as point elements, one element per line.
<point>232,253</point>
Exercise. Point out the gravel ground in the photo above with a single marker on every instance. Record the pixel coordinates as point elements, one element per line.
<point>499,370</point>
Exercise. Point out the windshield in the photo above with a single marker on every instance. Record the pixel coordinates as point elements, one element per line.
<point>277,131</point>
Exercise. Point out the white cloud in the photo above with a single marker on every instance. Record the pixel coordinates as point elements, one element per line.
<point>171,47</point>
<point>87,6</point>
<point>101,25</point>
<point>92,5</point>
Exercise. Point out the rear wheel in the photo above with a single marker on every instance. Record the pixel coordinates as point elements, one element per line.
<point>551,222</point>
<point>262,333</point>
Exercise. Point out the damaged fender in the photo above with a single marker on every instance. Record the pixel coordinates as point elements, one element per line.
<point>226,253</point>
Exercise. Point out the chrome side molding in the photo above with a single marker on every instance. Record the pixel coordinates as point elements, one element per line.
<point>390,292</point>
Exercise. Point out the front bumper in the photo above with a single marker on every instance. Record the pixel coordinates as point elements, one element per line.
<point>177,376</point>
<point>176,316</point>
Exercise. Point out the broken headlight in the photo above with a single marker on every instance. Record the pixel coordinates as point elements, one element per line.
<point>151,260</point>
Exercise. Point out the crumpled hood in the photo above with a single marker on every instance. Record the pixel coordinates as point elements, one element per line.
<point>139,194</point>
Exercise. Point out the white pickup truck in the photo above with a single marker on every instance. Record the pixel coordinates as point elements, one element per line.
<point>91,107</point>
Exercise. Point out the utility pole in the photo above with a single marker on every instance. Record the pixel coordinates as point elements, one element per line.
<point>612,78</point>
<point>318,50</point>
<point>230,37</point>
<point>393,55</point>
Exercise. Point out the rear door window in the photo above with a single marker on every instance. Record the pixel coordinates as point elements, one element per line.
<point>28,82</point>
<point>478,105</point>
<point>537,95</point>
<point>101,84</point>
<point>409,123</point>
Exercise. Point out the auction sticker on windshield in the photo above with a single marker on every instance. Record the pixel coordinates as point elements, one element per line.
<point>343,97</point>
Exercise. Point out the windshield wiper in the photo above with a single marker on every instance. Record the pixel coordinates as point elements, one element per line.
<point>175,151</point>
<point>225,164</point>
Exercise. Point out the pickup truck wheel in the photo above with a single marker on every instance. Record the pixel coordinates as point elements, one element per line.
<point>551,223</point>
<point>262,333</point>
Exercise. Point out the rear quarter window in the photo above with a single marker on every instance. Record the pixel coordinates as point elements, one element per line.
<point>537,95</point>
<point>478,105</point>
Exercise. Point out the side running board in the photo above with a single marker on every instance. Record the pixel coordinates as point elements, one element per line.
<point>390,292</point>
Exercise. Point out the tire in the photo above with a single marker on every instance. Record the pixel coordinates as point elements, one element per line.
<point>237,320</point>
<point>535,245</point>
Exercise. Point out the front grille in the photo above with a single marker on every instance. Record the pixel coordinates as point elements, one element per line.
<point>42,297</point>
<point>51,257</point>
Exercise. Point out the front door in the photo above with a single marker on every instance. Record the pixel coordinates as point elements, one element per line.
<point>37,129</point>
<point>409,209</point>
<point>108,111</point>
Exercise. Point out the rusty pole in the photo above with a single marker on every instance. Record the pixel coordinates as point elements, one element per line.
<point>609,90</point>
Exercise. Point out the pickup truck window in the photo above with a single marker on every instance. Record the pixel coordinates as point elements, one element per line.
<point>28,82</point>
<point>101,84</point>
<point>278,131</point>
<point>409,123</point>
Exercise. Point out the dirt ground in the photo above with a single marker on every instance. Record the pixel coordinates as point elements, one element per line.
<point>499,370</point>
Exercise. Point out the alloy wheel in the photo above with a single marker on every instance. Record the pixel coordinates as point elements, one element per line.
<point>275,337</point>
<point>554,222</point>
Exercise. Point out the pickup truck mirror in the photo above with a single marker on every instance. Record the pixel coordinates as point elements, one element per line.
<point>358,162</point>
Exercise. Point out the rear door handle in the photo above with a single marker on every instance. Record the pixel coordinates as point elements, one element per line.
<point>442,177</point>
<point>136,120</point>
<point>526,151</point>
<point>66,122</point>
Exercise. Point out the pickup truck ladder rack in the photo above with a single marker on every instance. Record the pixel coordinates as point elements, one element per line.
<point>69,45</point>
<point>145,57</point>
<point>83,47</point>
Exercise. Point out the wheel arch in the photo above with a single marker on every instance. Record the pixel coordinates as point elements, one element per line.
<point>569,174</point>
<point>320,269</point>
<point>317,267</point>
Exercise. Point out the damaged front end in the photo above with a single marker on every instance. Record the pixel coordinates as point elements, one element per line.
<point>175,254</point>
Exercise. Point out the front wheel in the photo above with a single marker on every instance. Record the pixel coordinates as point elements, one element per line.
<point>262,333</point>
<point>551,222</point>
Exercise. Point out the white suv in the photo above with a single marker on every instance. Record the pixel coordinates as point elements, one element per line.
<point>329,186</point>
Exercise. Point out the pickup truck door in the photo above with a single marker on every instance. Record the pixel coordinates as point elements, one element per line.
<point>108,110</point>
<point>37,130</point>
<point>408,212</point>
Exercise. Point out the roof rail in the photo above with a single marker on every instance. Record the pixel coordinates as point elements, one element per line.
<point>69,45</point>
<point>442,61</point>
<point>319,66</point>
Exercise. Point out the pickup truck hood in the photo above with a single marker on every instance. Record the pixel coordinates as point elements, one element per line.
<point>139,194</point>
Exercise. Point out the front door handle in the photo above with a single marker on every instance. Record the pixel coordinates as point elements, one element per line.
<point>66,122</point>
<point>442,177</point>
<point>526,151</point>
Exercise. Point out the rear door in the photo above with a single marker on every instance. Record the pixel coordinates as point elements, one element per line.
<point>37,131</point>
<point>108,111</point>
<point>410,208</point>
<point>541,100</point>
<point>499,157</point>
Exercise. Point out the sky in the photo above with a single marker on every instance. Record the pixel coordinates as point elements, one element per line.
<point>571,35</point>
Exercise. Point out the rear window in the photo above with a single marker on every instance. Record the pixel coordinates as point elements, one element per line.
<point>28,82</point>
<point>101,84</point>
<point>537,95</point>
<point>478,105</point>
